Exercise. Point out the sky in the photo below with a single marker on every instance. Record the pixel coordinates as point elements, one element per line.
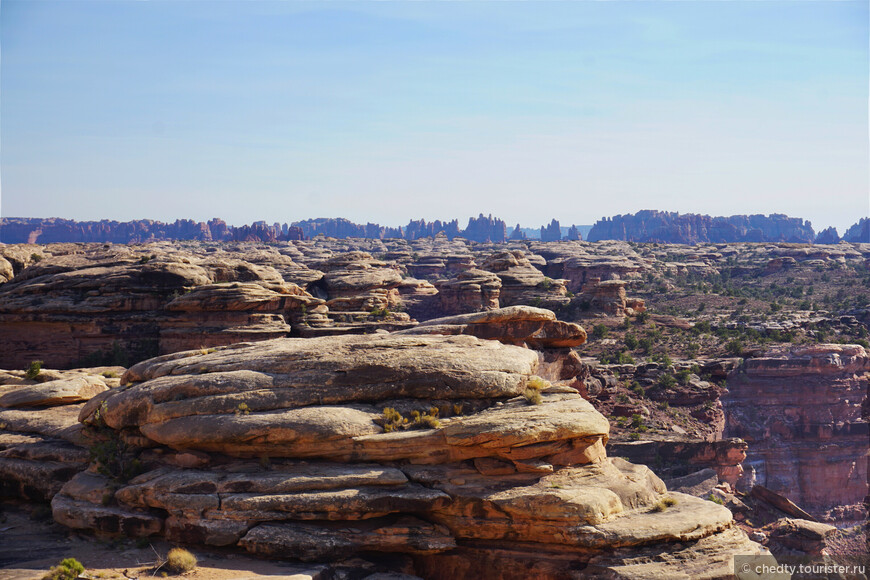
<point>390,111</point>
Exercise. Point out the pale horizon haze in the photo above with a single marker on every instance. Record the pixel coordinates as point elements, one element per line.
<point>390,111</point>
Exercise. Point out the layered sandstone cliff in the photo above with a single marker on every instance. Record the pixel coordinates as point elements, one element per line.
<point>419,445</point>
<point>800,412</point>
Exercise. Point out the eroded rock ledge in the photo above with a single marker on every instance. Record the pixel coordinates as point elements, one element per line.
<point>283,448</point>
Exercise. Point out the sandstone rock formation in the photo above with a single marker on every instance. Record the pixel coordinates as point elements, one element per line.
<point>671,227</point>
<point>814,453</point>
<point>360,287</point>
<point>95,304</point>
<point>422,445</point>
<point>41,443</point>
<point>522,283</point>
<point>518,325</point>
<point>609,296</point>
<point>859,232</point>
<point>471,290</point>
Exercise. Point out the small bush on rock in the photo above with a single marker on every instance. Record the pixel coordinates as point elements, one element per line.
<point>533,390</point>
<point>664,504</point>
<point>33,370</point>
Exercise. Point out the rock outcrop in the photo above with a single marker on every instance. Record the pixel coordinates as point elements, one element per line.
<point>471,290</point>
<point>517,325</point>
<point>523,283</point>
<point>41,442</point>
<point>859,232</point>
<point>674,228</point>
<point>98,305</point>
<point>420,445</point>
<point>609,296</point>
<point>800,412</point>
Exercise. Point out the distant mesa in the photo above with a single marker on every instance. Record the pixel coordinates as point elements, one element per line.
<point>51,230</point>
<point>644,227</point>
<point>858,233</point>
<point>676,228</point>
<point>828,236</point>
<point>484,229</point>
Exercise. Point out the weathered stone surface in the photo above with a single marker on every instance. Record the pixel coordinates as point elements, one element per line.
<point>523,283</point>
<point>310,542</point>
<point>108,520</point>
<point>299,492</point>
<point>58,422</point>
<point>471,290</point>
<point>812,453</point>
<point>800,535</point>
<point>54,393</point>
<point>518,325</point>
<point>122,302</point>
<point>488,468</point>
<point>40,448</point>
<point>292,373</point>
<point>708,558</point>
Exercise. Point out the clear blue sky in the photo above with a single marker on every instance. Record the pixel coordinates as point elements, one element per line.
<point>387,111</point>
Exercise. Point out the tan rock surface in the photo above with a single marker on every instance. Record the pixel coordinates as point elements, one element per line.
<point>518,325</point>
<point>309,542</point>
<point>54,393</point>
<point>529,481</point>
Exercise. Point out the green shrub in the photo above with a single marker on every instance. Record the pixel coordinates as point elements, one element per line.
<point>637,389</point>
<point>734,347</point>
<point>35,258</point>
<point>68,569</point>
<point>631,341</point>
<point>625,358</point>
<point>180,560</point>
<point>645,344</point>
<point>663,359</point>
<point>599,331</point>
<point>33,370</point>
<point>537,383</point>
<point>715,499</point>
<point>110,374</point>
<point>684,376</point>
<point>701,327</point>
<point>666,381</point>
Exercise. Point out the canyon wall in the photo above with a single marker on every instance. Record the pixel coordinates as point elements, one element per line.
<point>800,412</point>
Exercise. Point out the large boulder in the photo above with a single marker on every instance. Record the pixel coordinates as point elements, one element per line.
<point>519,325</point>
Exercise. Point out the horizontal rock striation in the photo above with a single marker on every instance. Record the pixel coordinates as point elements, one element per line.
<point>800,412</point>
<point>430,446</point>
<point>41,441</point>
<point>99,306</point>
